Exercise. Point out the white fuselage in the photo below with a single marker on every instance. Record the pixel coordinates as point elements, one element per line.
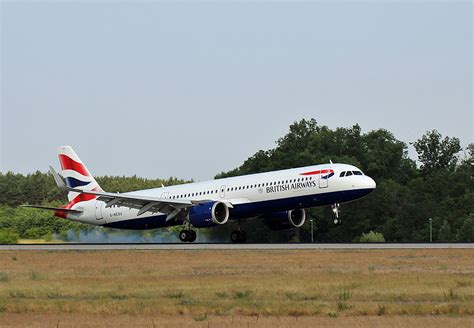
<point>247,196</point>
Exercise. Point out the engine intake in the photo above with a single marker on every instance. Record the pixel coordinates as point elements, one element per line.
<point>285,220</point>
<point>209,214</point>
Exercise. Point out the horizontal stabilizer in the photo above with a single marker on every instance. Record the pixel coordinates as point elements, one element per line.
<point>67,210</point>
<point>59,181</point>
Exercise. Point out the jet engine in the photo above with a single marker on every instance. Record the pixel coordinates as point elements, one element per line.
<point>285,220</point>
<point>208,214</point>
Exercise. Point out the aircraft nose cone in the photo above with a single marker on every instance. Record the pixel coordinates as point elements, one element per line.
<point>371,183</point>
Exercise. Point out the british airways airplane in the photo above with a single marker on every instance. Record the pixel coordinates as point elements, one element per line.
<point>279,198</point>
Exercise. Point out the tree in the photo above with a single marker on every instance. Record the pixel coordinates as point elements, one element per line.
<point>445,234</point>
<point>8,236</point>
<point>436,153</point>
<point>466,231</point>
<point>372,237</point>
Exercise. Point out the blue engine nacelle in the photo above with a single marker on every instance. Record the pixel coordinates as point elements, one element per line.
<point>285,220</point>
<point>208,214</point>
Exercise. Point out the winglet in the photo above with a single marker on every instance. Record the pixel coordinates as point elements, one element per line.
<point>59,181</point>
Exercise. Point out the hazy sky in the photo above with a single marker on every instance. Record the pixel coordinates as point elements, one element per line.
<point>190,89</point>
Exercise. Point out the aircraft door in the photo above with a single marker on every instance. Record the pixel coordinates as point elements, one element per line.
<point>98,210</point>
<point>222,191</point>
<point>165,195</point>
<point>324,178</point>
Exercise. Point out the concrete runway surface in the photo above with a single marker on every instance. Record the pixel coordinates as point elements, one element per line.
<point>202,246</point>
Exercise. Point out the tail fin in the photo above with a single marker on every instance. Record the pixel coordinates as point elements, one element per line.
<point>75,173</point>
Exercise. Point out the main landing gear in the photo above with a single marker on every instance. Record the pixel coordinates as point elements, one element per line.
<point>238,236</point>
<point>335,211</point>
<point>187,235</point>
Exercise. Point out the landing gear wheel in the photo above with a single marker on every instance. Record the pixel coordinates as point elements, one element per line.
<point>184,235</point>
<point>234,236</point>
<point>243,237</point>
<point>336,221</point>
<point>192,236</point>
<point>238,236</point>
<point>187,235</point>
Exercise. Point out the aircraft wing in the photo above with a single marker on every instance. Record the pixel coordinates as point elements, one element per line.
<point>144,204</point>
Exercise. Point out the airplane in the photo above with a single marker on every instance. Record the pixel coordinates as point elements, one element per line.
<point>278,198</point>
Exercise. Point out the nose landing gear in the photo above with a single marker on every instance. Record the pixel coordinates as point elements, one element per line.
<point>335,211</point>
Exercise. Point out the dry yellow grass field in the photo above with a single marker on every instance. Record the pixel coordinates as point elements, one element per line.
<point>366,288</point>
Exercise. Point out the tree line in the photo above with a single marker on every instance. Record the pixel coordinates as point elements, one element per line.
<point>407,194</point>
<point>439,186</point>
<point>40,189</point>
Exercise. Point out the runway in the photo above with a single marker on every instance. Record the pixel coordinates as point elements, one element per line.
<point>202,246</point>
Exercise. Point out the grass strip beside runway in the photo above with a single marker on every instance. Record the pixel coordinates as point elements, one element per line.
<point>205,284</point>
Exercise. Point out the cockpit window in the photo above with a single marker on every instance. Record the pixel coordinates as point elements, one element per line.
<point>348,173</point>
<point>357,172</point>
<point>342,174</point>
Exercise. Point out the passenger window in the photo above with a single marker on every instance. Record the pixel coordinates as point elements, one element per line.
<point>342,174</point>
<point>348,173</point>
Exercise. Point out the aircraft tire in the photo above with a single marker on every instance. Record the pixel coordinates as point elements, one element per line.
<point>184,235</point>
<point>192,236</point>
<point>238,236</point>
